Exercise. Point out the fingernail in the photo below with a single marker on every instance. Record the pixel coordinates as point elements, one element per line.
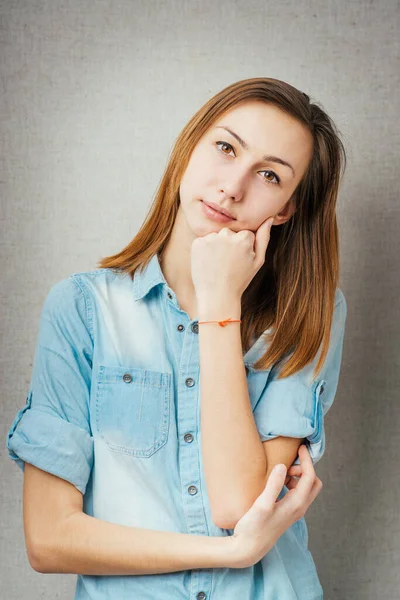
<point>280,469</point>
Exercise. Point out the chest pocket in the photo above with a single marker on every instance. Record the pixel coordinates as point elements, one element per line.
<point>133,409</point>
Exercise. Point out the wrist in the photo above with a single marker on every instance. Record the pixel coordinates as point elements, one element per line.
<point>227,553</point>
<point>219,308</point>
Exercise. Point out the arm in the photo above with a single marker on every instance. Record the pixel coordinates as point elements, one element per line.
<point>234,460</point>
<point>236,463</point>
<point>60,538</point>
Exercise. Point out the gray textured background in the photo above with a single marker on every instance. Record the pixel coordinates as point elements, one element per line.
<point>93,95</point>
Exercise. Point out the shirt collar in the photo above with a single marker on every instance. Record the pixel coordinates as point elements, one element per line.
<point>151,276</point>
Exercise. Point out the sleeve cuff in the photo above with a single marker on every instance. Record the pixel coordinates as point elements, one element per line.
<point>309,425</point>
<point>51,444</point>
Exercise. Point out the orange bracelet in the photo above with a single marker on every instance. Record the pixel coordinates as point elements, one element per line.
<point>223,323</point>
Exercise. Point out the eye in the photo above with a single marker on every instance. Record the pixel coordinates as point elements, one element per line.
<point>275,179</point>
<point>223,144</point>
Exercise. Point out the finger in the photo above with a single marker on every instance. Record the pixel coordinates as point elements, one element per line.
<point>300,494</point>
<point>273,487</point>
<point>316,489</point>
<point>295,470</point>
<point>262,239</point>
<point>290,505</point>
<point>308,474</point>
<point>288,480</point>
<point>225,231</point>
<point>291,484</point>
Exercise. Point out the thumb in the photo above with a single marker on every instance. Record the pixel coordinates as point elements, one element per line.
<point>262,239</point>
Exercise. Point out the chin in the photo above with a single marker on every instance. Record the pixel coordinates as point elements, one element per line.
<point>192,221</point>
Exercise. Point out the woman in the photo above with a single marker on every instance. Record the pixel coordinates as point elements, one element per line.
<point>168,383</point>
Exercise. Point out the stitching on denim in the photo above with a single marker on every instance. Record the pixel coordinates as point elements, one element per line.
<point>88,309</point>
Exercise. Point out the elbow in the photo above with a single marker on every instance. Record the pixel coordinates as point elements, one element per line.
<point>37,557</point>
<point>226,519</point>
<point>43,556</point>
<point>226,524</point>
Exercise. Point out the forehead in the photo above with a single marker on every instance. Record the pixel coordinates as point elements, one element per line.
<point>267,129</point>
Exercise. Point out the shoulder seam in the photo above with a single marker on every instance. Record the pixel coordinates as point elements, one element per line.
<point>89,321</point>
<point>93,272</point>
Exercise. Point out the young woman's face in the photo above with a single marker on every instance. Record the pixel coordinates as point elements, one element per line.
<point>243,180</point>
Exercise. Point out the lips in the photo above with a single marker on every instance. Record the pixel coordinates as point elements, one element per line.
<point>219,209</point>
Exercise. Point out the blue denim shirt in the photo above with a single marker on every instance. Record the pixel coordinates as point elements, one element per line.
<point>114,408</point>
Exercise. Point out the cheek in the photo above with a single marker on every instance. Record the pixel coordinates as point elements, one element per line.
<point>254,215</point>
<point>261,206</point>
<point>197,176</point>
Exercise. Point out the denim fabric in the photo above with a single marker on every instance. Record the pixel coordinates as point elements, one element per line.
<point>114,393</point>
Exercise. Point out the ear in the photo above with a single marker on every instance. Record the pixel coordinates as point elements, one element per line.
<point>286,211</point>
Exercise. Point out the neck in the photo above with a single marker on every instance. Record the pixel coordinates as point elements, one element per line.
<point>175,260</point>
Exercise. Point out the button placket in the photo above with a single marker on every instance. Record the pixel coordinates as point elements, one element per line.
<point>192,489</point>
<point>194,503</point>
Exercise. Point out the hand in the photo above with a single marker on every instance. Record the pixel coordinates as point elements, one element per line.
<point>293,473</point>
<point>224,263</point>
<point>259,529</point>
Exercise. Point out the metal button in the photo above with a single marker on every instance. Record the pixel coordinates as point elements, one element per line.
<point>180,327</point>
<point>189,382</point>
<point>192,489</point>
<point>195,328</point>
<point>201,596</point>
<point>169,295</point>
<point>127,377</point>
<point>188,437</point>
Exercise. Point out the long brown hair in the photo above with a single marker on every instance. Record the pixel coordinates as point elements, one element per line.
<point>294,291</point>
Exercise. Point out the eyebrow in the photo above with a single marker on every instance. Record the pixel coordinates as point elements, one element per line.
<point>267,157</point>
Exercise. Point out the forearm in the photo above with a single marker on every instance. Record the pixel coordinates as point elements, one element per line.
<point>233,456</point>
<point>86,545</point>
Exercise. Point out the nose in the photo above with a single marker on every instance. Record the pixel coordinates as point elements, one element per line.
<point>234,187</point>
<point>234,192</point>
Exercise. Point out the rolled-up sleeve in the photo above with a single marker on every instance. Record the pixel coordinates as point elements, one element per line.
<point>295,406</point>
<point>52,431</point>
